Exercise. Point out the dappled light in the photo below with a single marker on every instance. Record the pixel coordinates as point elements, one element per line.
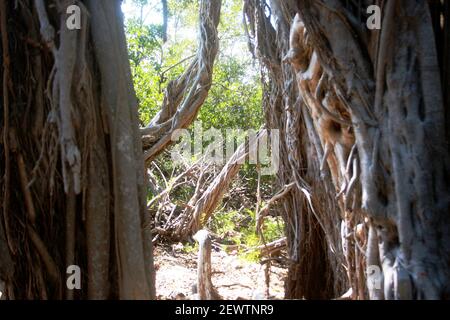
<point>225,150</point>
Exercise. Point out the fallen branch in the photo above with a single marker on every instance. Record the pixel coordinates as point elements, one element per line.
<point>208,202</point>
<point>272,247</point>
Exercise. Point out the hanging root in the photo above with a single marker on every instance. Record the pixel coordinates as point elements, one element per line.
<point>185,95</point>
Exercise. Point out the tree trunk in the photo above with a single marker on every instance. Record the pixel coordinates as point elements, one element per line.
<point>310,210</point>
<point>363,110</point>
<point>74,187</point>
<point>205,288</point>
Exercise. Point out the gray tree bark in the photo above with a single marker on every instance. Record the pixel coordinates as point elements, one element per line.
<point>370,112</point>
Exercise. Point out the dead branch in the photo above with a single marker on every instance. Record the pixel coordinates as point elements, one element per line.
<point>273,247</point>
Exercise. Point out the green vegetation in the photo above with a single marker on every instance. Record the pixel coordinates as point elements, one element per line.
<point>235,97</point>
<point>239,228</point>
<point>234,102</point>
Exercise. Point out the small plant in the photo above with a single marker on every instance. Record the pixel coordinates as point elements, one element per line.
<point>239,227</point>
<point>190,247</point>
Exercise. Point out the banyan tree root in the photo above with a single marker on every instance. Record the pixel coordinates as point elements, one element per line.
<point>76,193</point>
<point>309,208</point>
<point>185,95</point>
<point>358,107</point>
<point>205,288</point>
<point>331,121</point>
<point>392,105</point>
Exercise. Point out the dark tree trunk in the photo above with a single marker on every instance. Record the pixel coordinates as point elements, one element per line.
<point>73,181</point>
<point>315,271</point>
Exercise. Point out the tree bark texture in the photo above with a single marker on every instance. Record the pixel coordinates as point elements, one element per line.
<point>205,288</point>
<point>185,95</point>
<point>310,210</point>
<point>370,115</point>
<point>75,192</point>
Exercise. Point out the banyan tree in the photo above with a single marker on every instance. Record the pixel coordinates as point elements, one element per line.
<point>365,117</point>
<point>73,183</point>
<point>364,168</point>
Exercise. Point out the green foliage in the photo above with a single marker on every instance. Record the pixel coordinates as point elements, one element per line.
<point>235,97</point>
<point>144,50</point>
<point>190,247</point>
<point>140,3</point>
<point>234,100</point>
<point>224,225</point>
<point>273,228</point>
<point>240,228</point>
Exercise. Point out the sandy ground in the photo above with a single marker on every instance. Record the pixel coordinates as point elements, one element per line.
<point>234,278</point>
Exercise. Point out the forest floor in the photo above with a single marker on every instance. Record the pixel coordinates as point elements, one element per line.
<point>234,277</point>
